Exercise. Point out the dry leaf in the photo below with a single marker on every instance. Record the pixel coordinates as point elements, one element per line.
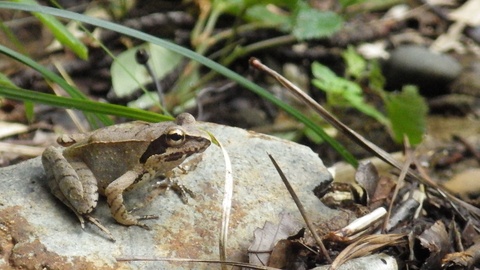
<point>367,177</point>
<point>267,237</point>
<point>435,241</point>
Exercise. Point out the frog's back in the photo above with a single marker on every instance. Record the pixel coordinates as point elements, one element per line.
<point>130,131</point>
<point>109,160</point>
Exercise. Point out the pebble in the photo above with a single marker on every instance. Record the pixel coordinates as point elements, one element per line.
<point>413,64</point>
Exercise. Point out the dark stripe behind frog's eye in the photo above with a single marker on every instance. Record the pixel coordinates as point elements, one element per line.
<point>156,147</point>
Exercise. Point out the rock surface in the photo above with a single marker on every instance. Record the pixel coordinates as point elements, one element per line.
<point>37,231</point>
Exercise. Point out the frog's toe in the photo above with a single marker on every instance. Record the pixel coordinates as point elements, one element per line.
<point>100,226</point>
<point>182,191</point>
<point>143,226</point>
<point>147,217</point>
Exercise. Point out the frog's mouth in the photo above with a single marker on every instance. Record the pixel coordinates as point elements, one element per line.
<point>191,146</point>
<point>187,151</point>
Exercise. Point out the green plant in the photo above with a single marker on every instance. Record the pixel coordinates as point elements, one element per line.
<point>59,31</point>
<point>405,110</point>
<point>297,20</point>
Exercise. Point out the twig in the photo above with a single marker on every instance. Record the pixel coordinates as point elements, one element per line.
<point>301,209</point>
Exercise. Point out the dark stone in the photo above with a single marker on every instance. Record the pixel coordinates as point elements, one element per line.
<point>417,65</point>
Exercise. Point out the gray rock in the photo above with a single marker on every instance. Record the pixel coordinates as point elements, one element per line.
<point>412,64</point>
<point>37,231</point>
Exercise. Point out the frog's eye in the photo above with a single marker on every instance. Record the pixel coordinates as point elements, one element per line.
<point>175,137</point>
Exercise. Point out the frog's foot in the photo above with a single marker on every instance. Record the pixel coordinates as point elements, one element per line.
<point>100,226</point>
<point>147,217</point>
<point>163,186</point>
<point>143,225</point>
<point>167,184</point>
<point>80,218</point>
<point>181,191</point>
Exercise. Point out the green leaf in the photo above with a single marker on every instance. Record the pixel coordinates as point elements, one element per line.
<point>322,72</point>
<point>356,64</point>
<point>310,23</point>
<point>376,80</point>
<point>342,92</point>
<point>407,112</point>
<point>29,111</point>
<point>260,13</point>
<point>128,75</point>
<point>237,7</point>
<point>59,31</point>
<point>346,3</point>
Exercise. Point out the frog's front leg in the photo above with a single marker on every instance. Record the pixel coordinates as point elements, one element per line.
<point>71,181</point>
<point>114,194</point>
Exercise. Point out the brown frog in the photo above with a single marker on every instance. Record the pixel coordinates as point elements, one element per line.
<point>110,160</point>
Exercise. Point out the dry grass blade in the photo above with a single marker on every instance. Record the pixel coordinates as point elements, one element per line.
<point>227,204</point>
<point>367,245</point>
<point>301,209</point>
<point>24,150</point>
<point>238,264</point>
<point>8,129</point>
<point>366,144</point>
<point>400,180</point>
<point>463,260</point>
<point>58,91</point>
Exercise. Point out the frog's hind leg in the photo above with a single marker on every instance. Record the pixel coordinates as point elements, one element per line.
<point>71,182</point>
<point>114,194</point>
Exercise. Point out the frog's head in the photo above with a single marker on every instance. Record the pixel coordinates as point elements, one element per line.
<point>179,140</point>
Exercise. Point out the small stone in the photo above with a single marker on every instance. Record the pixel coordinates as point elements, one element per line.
<point>417,65</point>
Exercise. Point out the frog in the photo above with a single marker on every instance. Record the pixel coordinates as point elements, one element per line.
<point>115,159</point>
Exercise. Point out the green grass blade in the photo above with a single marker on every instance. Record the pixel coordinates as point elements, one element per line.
<point>72,91</point>
<point>192,55</point>
<point>29,111</point>
<point>60,32</point>
<point>80,104</point>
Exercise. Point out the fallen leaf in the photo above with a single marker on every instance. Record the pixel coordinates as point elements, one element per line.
<point>267,237</point>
